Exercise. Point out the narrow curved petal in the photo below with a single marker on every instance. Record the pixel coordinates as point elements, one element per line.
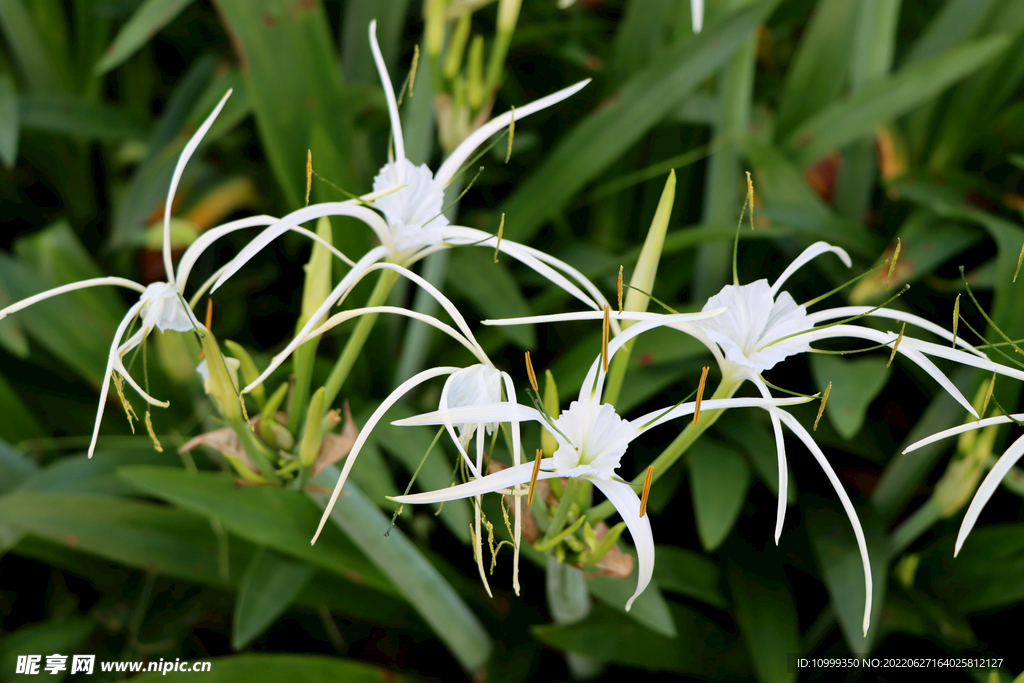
<point>780,447</point>
<point>656,418</point>
<point>196,249</point>
<point>811,252</point>
<point>480,413</point>
<point>298,217</point>
<point>571,317</point>
<point>132,342</point>
<point>339,292</point>
<point>627,503</point>
<point>905,349</point>
<point>179,168</point>
<point>111,360</point>
<point>465,150</point>
<point>803,435</point>
<point>504,479</point>
<point>871,312</point>
<point>434,292</point>
<point>960,429</point>
<point>92,282</point>
<point>697,14</point>
<point>389,94</point>
<point>449,427</point>
<point>1006,461</point>
<point>367,429</point>
<point>962,358</point>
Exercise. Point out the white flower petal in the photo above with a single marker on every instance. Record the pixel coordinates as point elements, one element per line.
<point>960,429</point>
<point>962,357</point>
<point>627,503</point>
<point>900,316</point>
<point>1002,467</point>
<point>780,447</point>
<point>697,14</point>
<point>488,412</point>
<point>389,94</point>
<point>517,501</point>
<point>803,435</point>
<point>298,217</point>
<point>367,429</point>
<point>655,418</point>
<point>465,150</point>
<point>164,309</point>
<point>414,211</point>
<point>506,478</point>
<point>179,168</point>
<point>111,360</point>
<point>811,252</point>
<point>92,282</point>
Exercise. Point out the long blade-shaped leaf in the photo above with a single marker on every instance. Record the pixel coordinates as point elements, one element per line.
<point>152,16</point>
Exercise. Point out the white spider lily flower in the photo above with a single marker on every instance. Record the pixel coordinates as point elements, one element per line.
<point>160,306</point>
<point>988,487</point>
<point>591,437</point>
<point>762,327</point>
<point>475,384</point>
<point>412,199</point>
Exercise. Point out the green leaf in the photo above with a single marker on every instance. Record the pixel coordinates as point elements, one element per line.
<point>18,423</point>
<point>14,467</point>
<point>287,59</point>
<point>701,647</point>
<point>754,435</point>
<point>649,609</point>
<point>152,16</point>
<point>984,576</point>
<point>416,578</point>
<point>270,583</point>
<point>955,22</point>
<point>860,114</point>
<point>816,75</point>
<point>685,572</point>
<point>48,637</point>
<point>603,136</point>
<point>23,40</point>
<point>76,118</point>
<point>267,668</point>
<point>767,619</point>
<point>9,123</point>
<point>719,477</point>
<point>159,538</point>
<point>835,548</point>
<point>855,384</point>
<point>281,519</point>
<point>96,475</point>
<point>493,292</point>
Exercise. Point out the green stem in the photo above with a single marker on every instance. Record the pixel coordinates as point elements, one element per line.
<point>354,345</point>
<point>674,450</point>
<point>572,486</point>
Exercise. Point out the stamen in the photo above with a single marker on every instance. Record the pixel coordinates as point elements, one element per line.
<point>309,173</point>
<point>533,477</point>
<point>531,374</point>
<point>985,315</point>
<point>511,134</point>
<point>501,231</point>
<point>896,345</point>
<point>821,408</point>
<point>654,299</point>
<point>956,318</point>
<point>700,394</point>
<point>1020,259</point>
<point>412,68</point>
<point>647,490</point>
<point>748,201</point>
<point>988,397</point>
<point>839,322</point>
<point>620,290</point>
<point>604,338</point>
<point>152,434</point>
<point>892,264</point>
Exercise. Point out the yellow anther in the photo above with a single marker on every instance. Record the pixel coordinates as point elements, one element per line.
<point>647,490</point>
<point>533,477</point>
<point>309,173</point>
<point>620,290</point>
<point>501,231</point>
<point>956,318</point>
<point>700,394</point>
<point>988,397</point>
<point>531,374</point>
<point>749,200</point>
<point>209,313</point>
<point>412,70</point>
<point>605,325</point>
<point>821,408</point>
<point>896,345</point>
<point>1020,259</point>
<point>892,264</point>
<point>511,134</point>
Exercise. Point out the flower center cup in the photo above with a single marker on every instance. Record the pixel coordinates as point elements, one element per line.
<point>414,211</point>
<point>592,440</point>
